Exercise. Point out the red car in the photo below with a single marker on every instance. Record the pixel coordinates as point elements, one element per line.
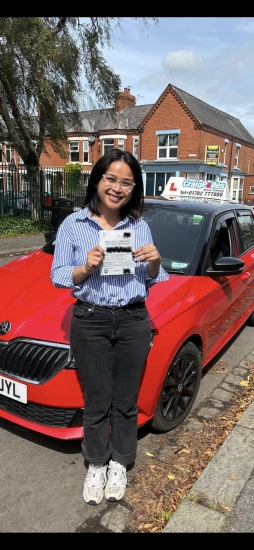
<point>207,247</point>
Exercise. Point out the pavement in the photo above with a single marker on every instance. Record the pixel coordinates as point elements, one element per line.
<point>222,499</point>
<point>16,246</point>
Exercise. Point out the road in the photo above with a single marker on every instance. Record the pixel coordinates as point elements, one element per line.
<point>42,478</point>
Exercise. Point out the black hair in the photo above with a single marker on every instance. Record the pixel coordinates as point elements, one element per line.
<point>134,206</point>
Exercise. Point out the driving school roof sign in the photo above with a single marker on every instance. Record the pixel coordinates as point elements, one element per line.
<point>203,189</point>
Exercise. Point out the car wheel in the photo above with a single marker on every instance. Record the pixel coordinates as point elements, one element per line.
<point>250,320</point>
<point>179,389</point>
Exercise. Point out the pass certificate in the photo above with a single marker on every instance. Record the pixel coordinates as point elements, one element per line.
<point>118,246</point>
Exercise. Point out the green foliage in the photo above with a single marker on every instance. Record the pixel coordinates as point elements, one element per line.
<point>73,172</point>
<point>71,167</point>
<point>43,64</point>
<point>14,227</point>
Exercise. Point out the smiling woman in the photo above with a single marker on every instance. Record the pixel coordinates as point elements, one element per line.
<point>110,331</point>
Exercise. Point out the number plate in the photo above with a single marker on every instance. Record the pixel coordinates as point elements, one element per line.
<point>14,390</point>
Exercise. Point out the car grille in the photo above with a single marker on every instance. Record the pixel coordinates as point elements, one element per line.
<point>48,416</point>
<point>33,361</point>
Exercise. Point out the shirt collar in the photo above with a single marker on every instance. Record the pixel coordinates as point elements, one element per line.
<point>84,213</point>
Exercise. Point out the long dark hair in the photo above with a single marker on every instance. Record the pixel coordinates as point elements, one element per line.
<point>135,205</point>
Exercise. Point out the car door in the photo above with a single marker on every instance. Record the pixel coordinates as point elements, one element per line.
<point>226,297</point>
<point>245,223</point>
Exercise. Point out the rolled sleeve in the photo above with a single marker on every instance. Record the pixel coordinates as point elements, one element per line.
<point>64,260</point>
<point>162,275</point>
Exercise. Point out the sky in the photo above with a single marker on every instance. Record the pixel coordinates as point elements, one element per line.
<point>211,58</point>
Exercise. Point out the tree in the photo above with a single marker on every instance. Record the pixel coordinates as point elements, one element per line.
<point>42,62</point>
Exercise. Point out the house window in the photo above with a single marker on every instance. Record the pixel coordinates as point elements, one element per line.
<point>167,146</point>
<point>108,145</point>
<point>74,151</point>
<point>211,177</point>
<point>5,154</point>
<point>8,153</point>
<point>237,151</point>
<point>237,189</point>
<point>85,151</point>
<point>121,144</point>
<point>135,147</point>
<point>156,182</point>
<point>251,188</point>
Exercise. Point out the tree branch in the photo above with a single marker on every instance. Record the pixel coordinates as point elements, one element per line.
<point>16,115</point>
<point>60,25</point>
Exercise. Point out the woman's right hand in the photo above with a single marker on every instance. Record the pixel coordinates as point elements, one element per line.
<point>93,260</point>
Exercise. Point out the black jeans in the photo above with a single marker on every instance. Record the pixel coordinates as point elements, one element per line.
<point>110,346</point>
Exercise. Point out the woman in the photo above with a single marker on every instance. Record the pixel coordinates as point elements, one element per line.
<point>110,331</point>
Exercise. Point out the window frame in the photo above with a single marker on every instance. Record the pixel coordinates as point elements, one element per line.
<point>73,151</point>
<point>135,145</point>
<point>237,155</point>
<point>168,147</point>
<point>109,146</point>
<point>120,144</point>
<point>245,244</point>
<point>85,151</point>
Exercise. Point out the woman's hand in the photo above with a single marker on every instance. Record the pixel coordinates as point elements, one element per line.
<point>93,260</point>
<point>147,253</point>
<point>150,254</point>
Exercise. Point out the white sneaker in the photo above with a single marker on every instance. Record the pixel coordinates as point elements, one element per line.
<point>94,484</point>
<point>116,482</point>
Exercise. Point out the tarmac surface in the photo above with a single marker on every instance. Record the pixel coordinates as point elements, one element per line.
<point>222,499</point>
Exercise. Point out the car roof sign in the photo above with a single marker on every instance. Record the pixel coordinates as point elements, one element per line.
<point>179,187</point>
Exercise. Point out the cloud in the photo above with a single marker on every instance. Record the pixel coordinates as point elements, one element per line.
<point>182,61</point>
<point>247,26</point>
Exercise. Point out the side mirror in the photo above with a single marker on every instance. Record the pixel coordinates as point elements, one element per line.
<point>226,266</point>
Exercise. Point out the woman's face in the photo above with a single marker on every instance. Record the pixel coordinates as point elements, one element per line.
<point>116,191</point>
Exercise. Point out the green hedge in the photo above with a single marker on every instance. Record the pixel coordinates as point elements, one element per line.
<point>14,227</point>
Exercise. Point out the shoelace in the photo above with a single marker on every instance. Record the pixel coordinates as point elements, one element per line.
<point>95,475</point>
<point>115,471</point>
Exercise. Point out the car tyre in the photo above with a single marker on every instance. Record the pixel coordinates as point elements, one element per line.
<point>250,320</point>
<point>179,389</point>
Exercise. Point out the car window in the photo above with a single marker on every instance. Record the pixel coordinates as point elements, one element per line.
<point>175,234</point>
<point>222,242</point>
<point>245,220</point>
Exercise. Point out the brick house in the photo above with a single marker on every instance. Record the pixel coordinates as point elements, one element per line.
<point>178,135</point>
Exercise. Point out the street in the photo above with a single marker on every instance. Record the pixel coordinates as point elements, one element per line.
<point>42,478</point>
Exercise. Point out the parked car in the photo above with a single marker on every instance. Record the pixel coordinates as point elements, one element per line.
<point>4,207</point>
<point>207,247</point>
<point>47,199</point>
<point>17,203</point>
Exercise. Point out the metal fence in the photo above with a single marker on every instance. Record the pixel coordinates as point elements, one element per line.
<point>17,195</point>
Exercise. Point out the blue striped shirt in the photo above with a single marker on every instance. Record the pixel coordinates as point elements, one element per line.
<point>79,233</point>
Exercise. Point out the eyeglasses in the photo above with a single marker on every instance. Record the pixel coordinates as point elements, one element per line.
<point>110,181</point>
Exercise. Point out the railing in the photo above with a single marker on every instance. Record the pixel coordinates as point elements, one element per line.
<point>17,195</point>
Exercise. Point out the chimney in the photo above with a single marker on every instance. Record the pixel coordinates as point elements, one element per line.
<point>124,99</point>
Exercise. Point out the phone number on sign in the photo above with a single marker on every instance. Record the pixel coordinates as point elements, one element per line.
<point>203,193</point>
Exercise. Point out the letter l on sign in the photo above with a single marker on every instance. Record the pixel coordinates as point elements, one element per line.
<point>172,186</point>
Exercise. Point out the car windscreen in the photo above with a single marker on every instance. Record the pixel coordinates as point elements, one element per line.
<point>175,233</point>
